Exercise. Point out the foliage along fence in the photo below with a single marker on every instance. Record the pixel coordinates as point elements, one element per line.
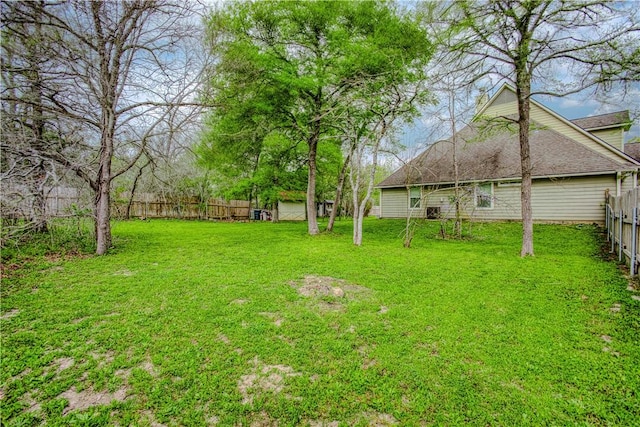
<point>623,228</point>
<point>77,202</point>
<point>183,209</point>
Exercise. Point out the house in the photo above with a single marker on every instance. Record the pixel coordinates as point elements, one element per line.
<point>574,163</point>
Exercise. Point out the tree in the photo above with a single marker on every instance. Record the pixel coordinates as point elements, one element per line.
<point>522,40</point>
<point>24,120</point>
<point>299,63</point>
<point>109,76</point>
<point>395,102</point>
<point>251,159</point>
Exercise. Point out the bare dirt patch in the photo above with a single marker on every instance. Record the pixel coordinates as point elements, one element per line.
<point>151,419</point>
<point>263,419</point>
<point>64,363</point>
<point>149,367</point>
<point>103,359</point>
<point>320,286</point>
<point>9,314</point>
<point>376,419</point>
<point>320,423</point>
<point>264,379</point>
<point>124,272</point>
<point>224,339</point>
<point>123,373</point>
<point>81,400</point>
<point>330,292</point>
<point>330,306</point>
<point>275,317</point>
<point>9,270</point>
<point>33,405</point>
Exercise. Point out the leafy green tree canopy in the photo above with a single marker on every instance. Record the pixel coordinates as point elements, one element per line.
<point>295,68</point>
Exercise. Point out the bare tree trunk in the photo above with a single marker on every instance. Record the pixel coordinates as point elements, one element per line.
<point>39,204</point>
<point>339,189</point>
<point>457,225</point>
<point>358,209</point>
<point>409,229</point>
<point>354,178</point>
<point>38,123</point>
<point>523,91</point>
<point>103,199</point>
<point>357,222</point>
<point>133,189</point>
<point>312,219</point>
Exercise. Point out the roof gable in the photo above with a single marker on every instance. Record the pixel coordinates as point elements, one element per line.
<point>558,148</point>
<point>497,157</point>
<point>504,104</point>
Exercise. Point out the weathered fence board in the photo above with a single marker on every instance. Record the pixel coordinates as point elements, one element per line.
<point>151,207</point>
<point>64,201</point>
<point>623,227</point>
<point>184,209</point>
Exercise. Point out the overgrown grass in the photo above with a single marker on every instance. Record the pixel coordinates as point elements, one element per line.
<point>64,236</point>
<point>196,323</point>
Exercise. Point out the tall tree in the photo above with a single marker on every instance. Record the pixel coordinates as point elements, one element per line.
<point>298,63</point>
<point>113,71</point>
<point>23,118</point>
<point>394,103</point>
<point>523,40</point>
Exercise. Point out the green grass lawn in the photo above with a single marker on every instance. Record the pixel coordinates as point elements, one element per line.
<point>202,323</point>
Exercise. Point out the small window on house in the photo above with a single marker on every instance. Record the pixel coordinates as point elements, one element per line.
<point>484,196</point>
<point>415,197</point>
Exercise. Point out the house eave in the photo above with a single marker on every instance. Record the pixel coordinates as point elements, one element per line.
<point>618,126</point>
<point>516,178</point>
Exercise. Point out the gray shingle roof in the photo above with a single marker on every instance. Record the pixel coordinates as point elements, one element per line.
<point>632,149</point>
<point>621,118</point>
<point>496,156</point>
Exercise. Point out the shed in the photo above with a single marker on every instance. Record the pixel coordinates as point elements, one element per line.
<point>292,206</point>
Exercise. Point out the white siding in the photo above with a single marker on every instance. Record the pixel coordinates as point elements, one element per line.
<point>579,199</point>
<point>292,211</point>
<point>571,199</point>
<point>613,137</point>
<point>394,203</point>
<point>506,203</point>
<point>627,184</point>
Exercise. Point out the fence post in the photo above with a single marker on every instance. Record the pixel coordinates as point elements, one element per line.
<point>620,235</point>
<point>634,241</point>
<point>612,231</point>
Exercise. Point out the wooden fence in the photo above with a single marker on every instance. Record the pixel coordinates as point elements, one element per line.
<point>184,209</point>
<point>623,227</point>
<point>62,201</point>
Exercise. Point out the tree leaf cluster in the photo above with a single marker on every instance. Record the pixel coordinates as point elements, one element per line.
<point>304,71</point>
